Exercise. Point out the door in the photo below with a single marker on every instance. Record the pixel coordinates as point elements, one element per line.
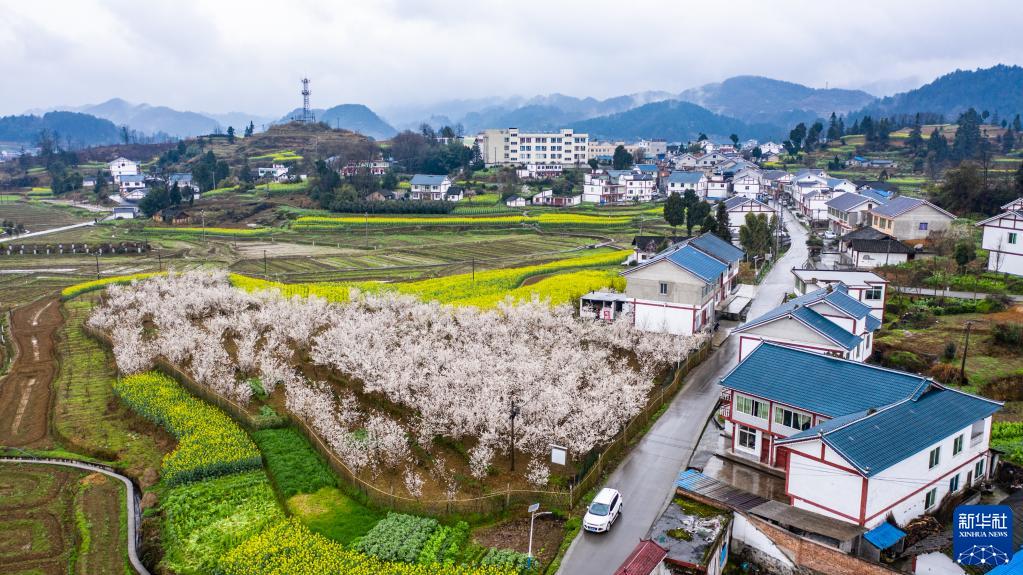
<point>765,449</point>
<point>781,458</point>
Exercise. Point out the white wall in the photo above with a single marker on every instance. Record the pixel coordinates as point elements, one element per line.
<point>1004,257</point>
<point>746,533</point>
<point>820,487</point>
<point>662,317</point>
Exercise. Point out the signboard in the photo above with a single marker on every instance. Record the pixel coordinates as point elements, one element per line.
<point>558,454</point>
<point>982,535</point>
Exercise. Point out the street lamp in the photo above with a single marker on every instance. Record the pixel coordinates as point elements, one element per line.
<point>532,516</point>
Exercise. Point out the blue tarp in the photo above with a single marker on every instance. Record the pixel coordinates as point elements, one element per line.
<point>884,535</point>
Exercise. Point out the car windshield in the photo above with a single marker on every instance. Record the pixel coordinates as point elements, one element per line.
<point>600,509</point>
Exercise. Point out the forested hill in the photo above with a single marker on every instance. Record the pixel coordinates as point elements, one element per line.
<point>66,127</point>
<point>995,90</point>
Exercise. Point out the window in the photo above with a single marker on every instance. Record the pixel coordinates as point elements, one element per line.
<point>747,437</point>
<point>791,419</point>
<point>874,293</point>
<point>751,406</point>
<point>978,470</point>
<point>664,288</point>
<point>931,498</point>
<point>957,445</point>
<point>923,226</point>
<point>935,457</point>
<point>976,433</point>
<point>1013,237</point>
<point>953,484</point>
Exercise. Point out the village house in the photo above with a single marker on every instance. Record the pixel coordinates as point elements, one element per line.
<point>455,194</point>
<point>676,291</point>
<point>549,198</point>
<point>122,167</point>
<point>539,171</point>
<point>125,212</point>
<point>850,211</point>
<point>739,206</point>
<point>276,172</point>
<point>173,216</point>
<point>867,248</point>
<point>717,188</point>
<point>910,219</point>
<point>131,182</point>
<point>601,187</point>
<point>748,184</point>
<point>1003,239</point>
<point>848,434</point>
<point>827,320</point>
<point>868,288</point>
<point>646,247</point>
<point>372,167</point>
<point>429,187</point>
<point>863,162</point>
<point>639,186</point>
<point>679,182</point>
<point>710,159</point>
<point>646,559</point>
<point>685,161</point>
<point>515,202</point>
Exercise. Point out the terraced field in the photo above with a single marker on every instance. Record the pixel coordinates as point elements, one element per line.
<point>37,217</point>
<point>60,521</point>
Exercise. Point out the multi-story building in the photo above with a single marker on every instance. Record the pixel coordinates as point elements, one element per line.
<point>856,442</point>
<point>122,167</point>
<point>1003,239</point>
<point>679,182</point>
<point>429,187</point>
<point>511,146</point>
<point>909,219</point>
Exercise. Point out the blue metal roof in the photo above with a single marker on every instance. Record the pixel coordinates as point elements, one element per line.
<point>880,438</point>
<point>698,263</point>
<point>840,298</point>
<point>826,327</point>
<point>718,248</point>
<point>819,383</point>
<point>847,201</point>
<point>898,206</point>
<point>427,180</point>
<point>879,196</point>
<point>685,177</point>
<point>884,535</point>
<point>646,167</point>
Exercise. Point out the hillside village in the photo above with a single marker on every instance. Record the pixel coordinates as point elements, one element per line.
<point>321,344</point>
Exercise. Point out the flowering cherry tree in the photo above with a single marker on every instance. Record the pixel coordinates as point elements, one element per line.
<point>455,372</point>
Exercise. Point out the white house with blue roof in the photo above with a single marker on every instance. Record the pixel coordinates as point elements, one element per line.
<point>677,290</point>
<point>850,211</point>
<point>679,182</point>
<point>429,187</point>
<point>826,321</point>
<point>740,205</point>
<point>909,219</point>
<point>857,442</point>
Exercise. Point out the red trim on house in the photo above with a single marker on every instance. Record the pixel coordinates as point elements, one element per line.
<point>929,485</point>
<point>667,305</point>
<point>828,463</point>
<point>828,509</point>
<point>863,501</point>
<point>804,410</point>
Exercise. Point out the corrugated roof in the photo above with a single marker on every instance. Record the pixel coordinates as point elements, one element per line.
<point>685,177</point>
<point>826,327</point>
<point>718,248</point>
<point>643,559</point>
<point>847,201</point>
<point>798,308</point>
<point>427,180</point>
<point>883,246</point>
<point>731,497</point>
<point>884,535</point>
<point>698,263</point>
<point>806,520</point>
<point>819,383</point>
<point>878,439</point>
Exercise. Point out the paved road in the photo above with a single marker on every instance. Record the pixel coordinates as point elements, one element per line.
<point>51,231</point>
<point>647,474</point>
<point>132,503</point>
<point>946,293</point>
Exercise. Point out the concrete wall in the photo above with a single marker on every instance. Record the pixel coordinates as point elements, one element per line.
<point>1004,257</point>
<point>683,287</point>
<point>826,486</point>
<point>907,226</point>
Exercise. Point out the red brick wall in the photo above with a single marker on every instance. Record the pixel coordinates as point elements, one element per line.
<point>817,557</point>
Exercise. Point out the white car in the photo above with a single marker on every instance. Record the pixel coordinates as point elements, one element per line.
<point>603,511</point>
<point>830,235</point>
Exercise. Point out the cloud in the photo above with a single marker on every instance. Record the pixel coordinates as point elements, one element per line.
<point>233,55</point>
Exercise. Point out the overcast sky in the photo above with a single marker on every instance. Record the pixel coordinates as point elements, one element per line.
<point>220,55</point>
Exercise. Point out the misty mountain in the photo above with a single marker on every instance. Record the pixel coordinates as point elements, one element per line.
<point>763,100</point>
<point>78,130</point>
<point>354,117</point>
<point>671,120</point>
<point>997,89</point>
<point>152,119</point>
<point>239,120</point>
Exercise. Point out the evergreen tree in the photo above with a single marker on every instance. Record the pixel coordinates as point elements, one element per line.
<point>967,140</point>
<point>735,140</point>
<point>1017,126</point>
<point>1008,141</point>
<point>674,210</point>
<point>755,235</point>
<point>722,229</point>
<point>250,129</point>
<point>230,134</point>
<point>915,139</point>
<point>796,136</point>
<point>622,159</point>
<point>833,128</point>
<point>696,213</point>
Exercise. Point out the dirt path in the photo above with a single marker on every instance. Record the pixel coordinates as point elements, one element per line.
<point>25,391</point>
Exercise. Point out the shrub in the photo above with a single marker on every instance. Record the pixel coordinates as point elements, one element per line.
<point>1009,334</point>
<point>209,442</point>
<point>905,360</point>
<point>292,462</point>
<point>945,373</point>
<point>950,351</point>
<point>398,537</point>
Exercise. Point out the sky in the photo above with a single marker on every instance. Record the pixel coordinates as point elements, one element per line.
<point>249,56</point>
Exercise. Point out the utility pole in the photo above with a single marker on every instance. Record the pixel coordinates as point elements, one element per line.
<point>203,214</point>
<point>264,265</point>
<point>966,348</point>
<point>474,272</point>
<point>96,253</point>
<point>159,258</point>
<point>367,230</point>
<point>514,413</point>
